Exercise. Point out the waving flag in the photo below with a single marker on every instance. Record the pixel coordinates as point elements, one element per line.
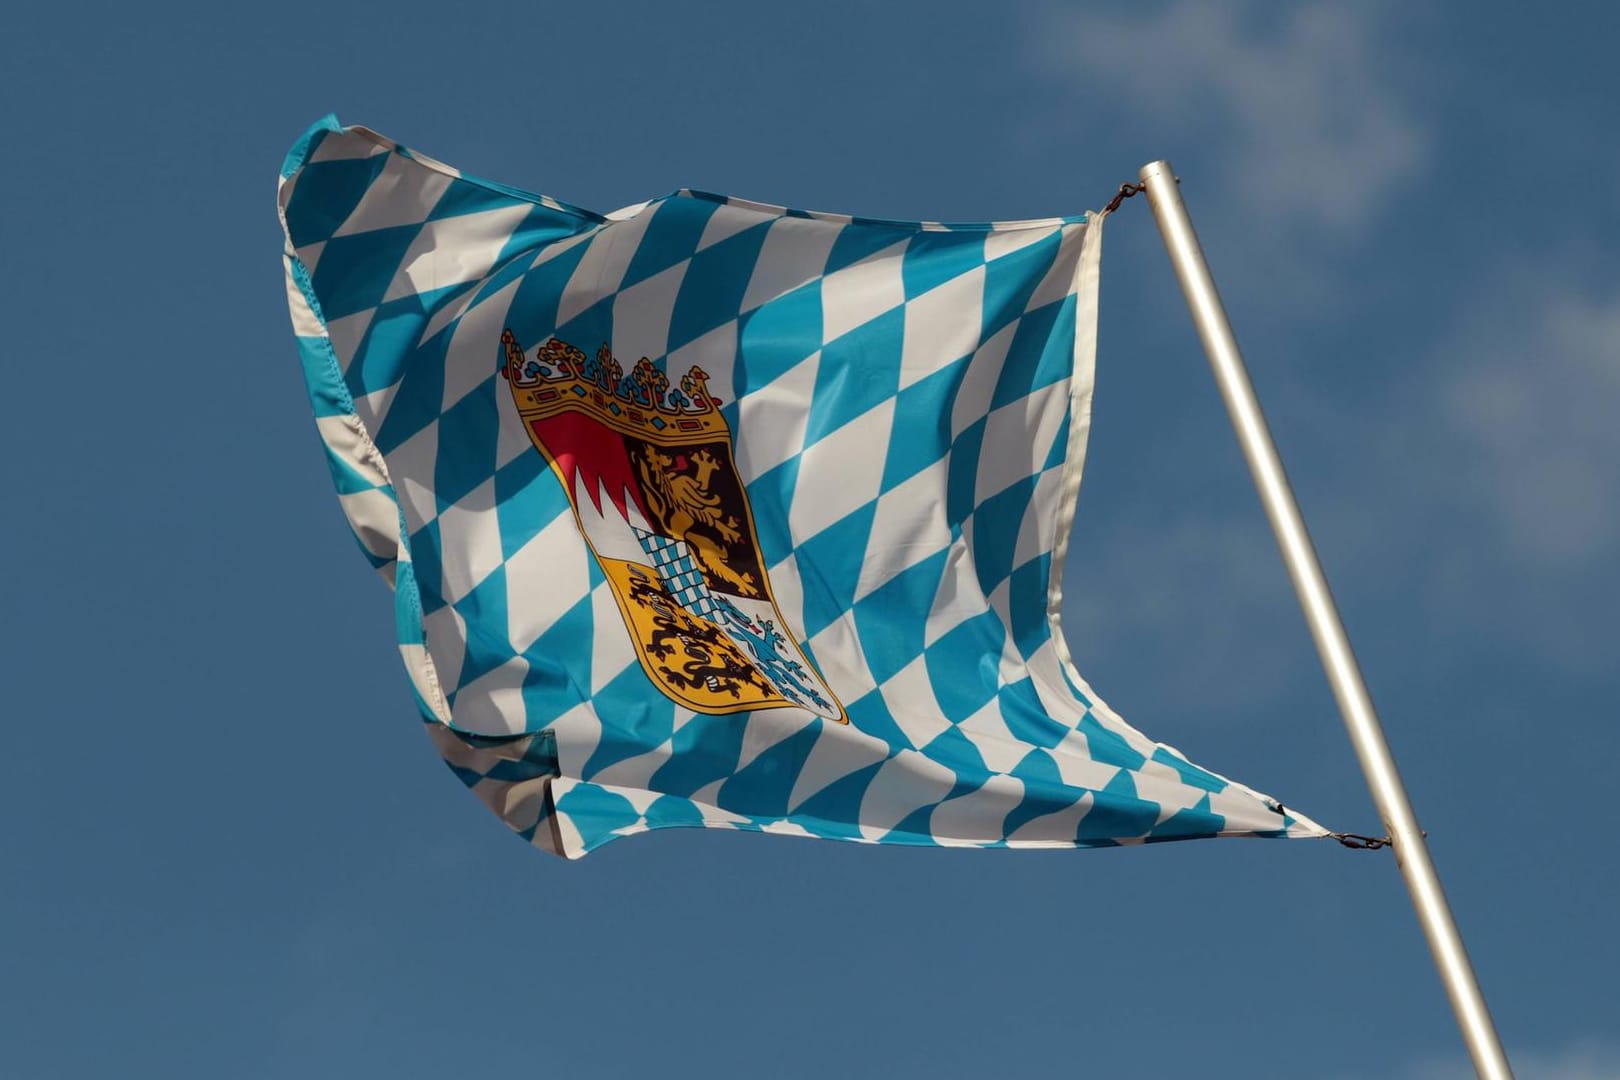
<point>713,513</point>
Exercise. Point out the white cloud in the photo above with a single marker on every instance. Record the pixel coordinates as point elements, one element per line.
<point>1586,1060</point>
<point>1479,490</point>
<point>1519,479</point>
<point>1486,479</point>
<point>1295,104</point>
<point>1533,392</point>
<point>1478,480</point>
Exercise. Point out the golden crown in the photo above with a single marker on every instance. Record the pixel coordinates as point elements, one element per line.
<point>557,377</point>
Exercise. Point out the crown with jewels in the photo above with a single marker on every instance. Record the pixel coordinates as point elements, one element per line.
<point>558,377</point>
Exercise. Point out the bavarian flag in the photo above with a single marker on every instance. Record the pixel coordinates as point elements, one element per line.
<point>712,513</point>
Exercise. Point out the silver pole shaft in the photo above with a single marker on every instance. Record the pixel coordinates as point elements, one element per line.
<point>1389,794</point>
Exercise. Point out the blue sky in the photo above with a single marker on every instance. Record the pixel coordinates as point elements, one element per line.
<point>231,853</point>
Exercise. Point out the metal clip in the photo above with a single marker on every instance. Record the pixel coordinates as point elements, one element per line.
<point>1361,843</point>
<point>1125,192</point>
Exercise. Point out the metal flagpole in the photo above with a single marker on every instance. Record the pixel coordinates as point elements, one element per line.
<point>1389,794</point>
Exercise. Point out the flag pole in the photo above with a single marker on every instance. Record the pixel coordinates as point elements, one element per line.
<point>1344,674</point>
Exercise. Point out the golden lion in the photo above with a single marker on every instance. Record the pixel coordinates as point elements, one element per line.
<point>685,503</point>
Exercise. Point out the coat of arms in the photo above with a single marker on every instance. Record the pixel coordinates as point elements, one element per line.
<point>648,469</point>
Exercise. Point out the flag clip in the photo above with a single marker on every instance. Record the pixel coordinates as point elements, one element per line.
<point>1125,192</point>
<point>1359,842</point>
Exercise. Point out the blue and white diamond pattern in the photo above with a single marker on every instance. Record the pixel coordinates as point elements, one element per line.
<point>680,573</point>
<point>908,406</point>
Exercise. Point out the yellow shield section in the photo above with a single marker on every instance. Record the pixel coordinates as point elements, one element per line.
<point>692,659</point>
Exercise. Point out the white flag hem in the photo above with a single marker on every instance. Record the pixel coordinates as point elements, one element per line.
<point>1082,389</point>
